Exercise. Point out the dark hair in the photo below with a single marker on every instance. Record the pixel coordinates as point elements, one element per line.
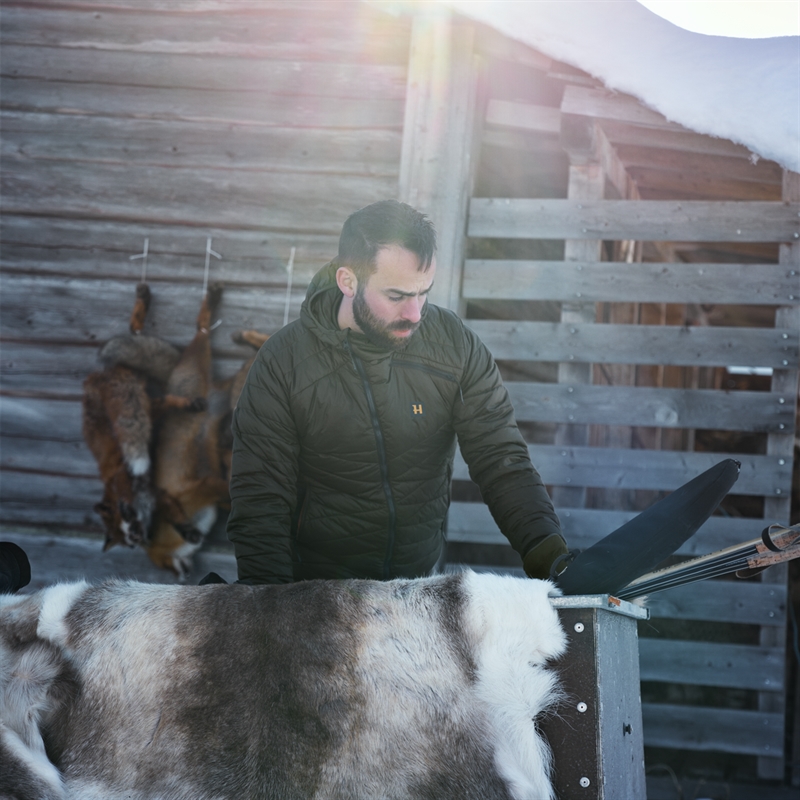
<point>384,223</point>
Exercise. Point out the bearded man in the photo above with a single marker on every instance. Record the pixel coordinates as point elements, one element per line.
<point>345,432</point>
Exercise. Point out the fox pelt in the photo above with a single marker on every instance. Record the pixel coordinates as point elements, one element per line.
<point>156,424</point>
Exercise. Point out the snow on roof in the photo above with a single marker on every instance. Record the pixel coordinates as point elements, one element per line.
<point>744,90</point>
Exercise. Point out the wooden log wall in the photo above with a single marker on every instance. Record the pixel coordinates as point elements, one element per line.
<point>259,124</point>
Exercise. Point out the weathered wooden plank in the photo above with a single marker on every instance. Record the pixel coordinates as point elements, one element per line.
<point>72,459</point>
<point>49,499</point>
<point>78,311</point>
<point>647,220</point>
<point>682,141</point>
<point>523,116</point>
<point>37,418</point>
<point>709,165</point>
<point>728,730</point>
<point>335,31</point>
<point>638,344</point>
<point>743,602</point>
<point>661,408</point>
<point>472,522</point>
<point>55,370</point>
<point>75,310</point>
<point>258,78</point>
<point>145,194</point>
<point>712,664</point>
<point>102,249</point>
<point>663,470</point>
<point>620,118</point>
<point>177,143</point>
<point>606,104</point>
<point>618,282</point>
<point>44,436</point>
<point>656,184</point>
<point>60,557</point>
<point>30,94</point>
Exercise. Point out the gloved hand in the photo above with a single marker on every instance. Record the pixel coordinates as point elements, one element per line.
<point>541,558</point>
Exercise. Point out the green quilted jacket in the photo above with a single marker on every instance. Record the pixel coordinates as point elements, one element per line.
<point>343,453</point>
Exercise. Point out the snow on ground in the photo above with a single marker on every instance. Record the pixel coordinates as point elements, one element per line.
<point>745,90</point>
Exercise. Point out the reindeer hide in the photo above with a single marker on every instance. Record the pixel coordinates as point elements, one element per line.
<point>426,688</point>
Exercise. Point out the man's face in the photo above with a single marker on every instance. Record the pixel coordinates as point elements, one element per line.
<point>388,309</point>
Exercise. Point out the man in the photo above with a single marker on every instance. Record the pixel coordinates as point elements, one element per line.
<point>345,432</point>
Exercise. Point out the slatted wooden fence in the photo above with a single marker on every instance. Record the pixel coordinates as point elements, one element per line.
<point>758,666</point>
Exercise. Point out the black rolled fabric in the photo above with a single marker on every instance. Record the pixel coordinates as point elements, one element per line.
<point>15,569</point>
<point>642,543</point>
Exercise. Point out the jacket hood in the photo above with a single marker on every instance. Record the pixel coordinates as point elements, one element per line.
<point>321,306</point>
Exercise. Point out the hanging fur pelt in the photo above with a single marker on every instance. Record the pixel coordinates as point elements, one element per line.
<point>427,688</point>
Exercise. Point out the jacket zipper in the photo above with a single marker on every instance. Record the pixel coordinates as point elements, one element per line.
<point>384,467</point>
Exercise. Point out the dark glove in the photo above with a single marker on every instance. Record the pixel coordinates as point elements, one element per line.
<point>548,552</point>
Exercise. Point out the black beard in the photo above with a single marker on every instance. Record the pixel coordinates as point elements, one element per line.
<point>376,331</point>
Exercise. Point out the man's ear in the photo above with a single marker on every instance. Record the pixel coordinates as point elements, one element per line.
<point>346,281</point>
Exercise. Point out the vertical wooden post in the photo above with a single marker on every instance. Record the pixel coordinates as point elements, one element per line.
<point>440,138</point>
<point>586,182</point>
<point>778,506</point>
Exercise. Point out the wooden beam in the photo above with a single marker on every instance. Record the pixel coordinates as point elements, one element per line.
<point>648,220</point>
<point>661,470</point>
<point>639,344</point>
<point>652,407</point>
<point>523,116</point>
<point>605,104</point>
<point>730,168</point>
<point>440,137</point>
<point>68,310</point>
<point>101,249</point>
<point>656,184</point>
<point>739,602</point>
<point>615,114</point>
<point>257,77</point>
<point>583,527</point>
<point>698,728</point>
<point>735,666</point>
<point>584,142</point>
<point>324,111</point>
<point>177,143</point>
<point>190,196</point>
<point>256,30</point>
<point>613,281</point>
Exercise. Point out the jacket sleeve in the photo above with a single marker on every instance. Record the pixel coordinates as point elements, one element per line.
<point>496,453</point>
<point>264,470</point>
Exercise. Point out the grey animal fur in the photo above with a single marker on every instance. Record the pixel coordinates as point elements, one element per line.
<point>324,689</point>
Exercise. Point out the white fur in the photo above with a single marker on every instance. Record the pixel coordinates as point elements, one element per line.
<point>139,465</point>
<point>204,519</point>
<point>56,604</point>
<point>13,748</point>
<point>516,632</point>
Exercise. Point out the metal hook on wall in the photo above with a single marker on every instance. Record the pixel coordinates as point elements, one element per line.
<point>209,253</point>
<point>143,256</point>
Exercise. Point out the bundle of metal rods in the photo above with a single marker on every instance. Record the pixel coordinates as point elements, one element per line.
<point>775,545</point>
